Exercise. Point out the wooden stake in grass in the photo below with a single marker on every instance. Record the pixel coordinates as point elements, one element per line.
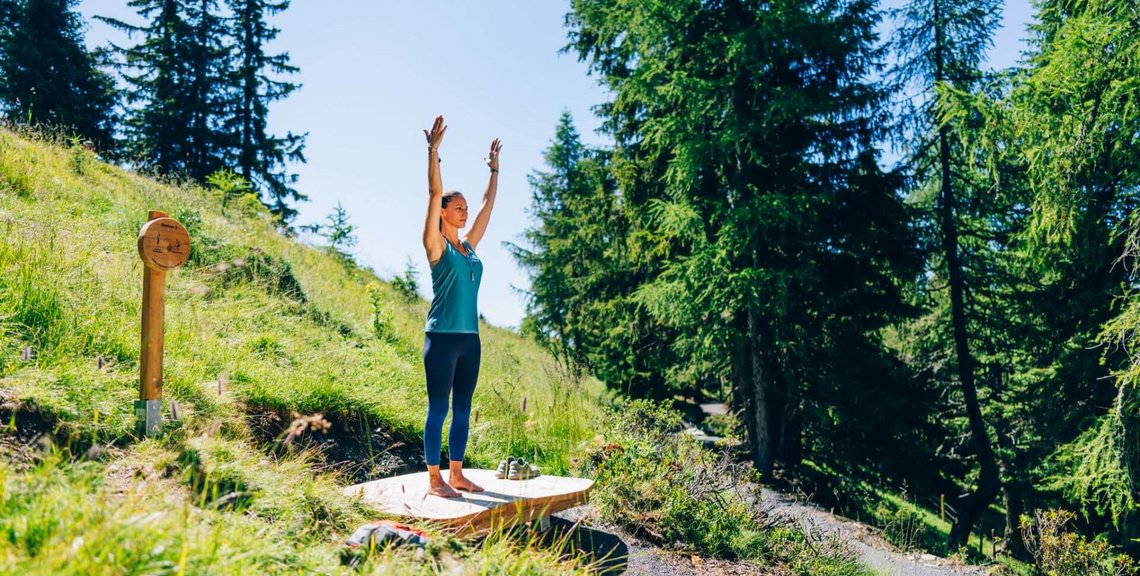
<point>164,245</point>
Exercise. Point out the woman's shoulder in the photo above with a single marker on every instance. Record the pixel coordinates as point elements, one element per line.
<point>446,256</point>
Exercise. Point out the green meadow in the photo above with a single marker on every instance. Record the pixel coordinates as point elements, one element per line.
<point>259,330</point>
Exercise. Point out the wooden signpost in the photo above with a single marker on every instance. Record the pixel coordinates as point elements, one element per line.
<point>164,245</point>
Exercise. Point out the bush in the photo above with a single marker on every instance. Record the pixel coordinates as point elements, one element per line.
<point>658,482</point>
<point>726,426</point>
<point>381,317</point>
<point>1059,552</point>
<point>227,186</point>
<point>406,285</point>
<point>663,486</point>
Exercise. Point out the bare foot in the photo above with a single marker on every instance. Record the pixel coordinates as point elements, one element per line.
<point>462,483</point>
<point>442,489</point>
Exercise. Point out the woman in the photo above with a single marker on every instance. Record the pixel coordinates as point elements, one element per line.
<point>451,337</point>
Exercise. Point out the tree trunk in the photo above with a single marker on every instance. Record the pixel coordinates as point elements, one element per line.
<point>742,383</point>
<point>791,437</point>
<point>762,445</point>
<point>1012,497</point>
<point>1013,490</point>
<point>970,505</point>
<point>789,446</point>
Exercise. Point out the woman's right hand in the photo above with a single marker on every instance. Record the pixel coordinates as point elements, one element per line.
<point>433,240</point>
<point>435,136</point>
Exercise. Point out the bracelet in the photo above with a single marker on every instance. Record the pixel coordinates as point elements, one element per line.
<point>494,170</point>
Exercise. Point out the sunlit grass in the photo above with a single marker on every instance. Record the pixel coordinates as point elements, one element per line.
<point>70,290</point>
<point>88,518</point>
<point>254,322</point>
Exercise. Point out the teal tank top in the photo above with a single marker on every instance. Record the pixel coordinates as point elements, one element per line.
<point>455,282</point>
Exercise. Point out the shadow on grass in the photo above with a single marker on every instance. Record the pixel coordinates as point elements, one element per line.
<point>359,448</point>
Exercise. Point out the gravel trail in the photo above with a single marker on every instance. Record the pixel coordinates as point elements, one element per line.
<point>629,555</point>
<point>873,550</point>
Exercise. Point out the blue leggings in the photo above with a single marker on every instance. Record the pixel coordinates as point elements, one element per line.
<point>451,362</point>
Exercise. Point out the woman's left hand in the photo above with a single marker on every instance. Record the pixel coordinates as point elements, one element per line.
<point>493,156</point>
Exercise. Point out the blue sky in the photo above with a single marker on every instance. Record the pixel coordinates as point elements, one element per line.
<point>375,74</point>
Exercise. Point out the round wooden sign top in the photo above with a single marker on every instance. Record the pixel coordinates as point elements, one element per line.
<point>164,244</point>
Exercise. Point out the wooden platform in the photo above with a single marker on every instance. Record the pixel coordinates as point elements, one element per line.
<point>502,503</point>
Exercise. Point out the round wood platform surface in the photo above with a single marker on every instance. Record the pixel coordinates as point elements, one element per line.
<point>502,500</point>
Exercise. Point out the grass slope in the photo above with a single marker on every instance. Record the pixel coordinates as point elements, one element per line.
<point>258,327</point>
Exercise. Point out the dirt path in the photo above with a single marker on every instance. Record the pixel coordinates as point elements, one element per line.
<point>875,552</point>
<point>631,556</point>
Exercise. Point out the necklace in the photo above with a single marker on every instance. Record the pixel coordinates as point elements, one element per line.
<point>467,257</point>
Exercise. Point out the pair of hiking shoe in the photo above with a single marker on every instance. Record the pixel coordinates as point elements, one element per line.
<point>516,469</point>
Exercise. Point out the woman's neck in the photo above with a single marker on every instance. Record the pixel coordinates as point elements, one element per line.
<point>451,235</point>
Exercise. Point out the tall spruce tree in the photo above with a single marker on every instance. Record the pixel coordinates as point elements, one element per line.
<point>260,157</point>
<point>47,76</point>
<point>206,92</point>
<point>200,89</point>
<point>943,43</point>
<point>580,303</point>
<point>744,135</point>
<point>557,198</point>
<point>159,101</point>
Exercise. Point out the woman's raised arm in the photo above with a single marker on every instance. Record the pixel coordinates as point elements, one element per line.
<point>479,226</point>
<point>433,240</point>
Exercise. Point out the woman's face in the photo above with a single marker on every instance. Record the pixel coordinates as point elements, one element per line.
<point>455,213</point>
